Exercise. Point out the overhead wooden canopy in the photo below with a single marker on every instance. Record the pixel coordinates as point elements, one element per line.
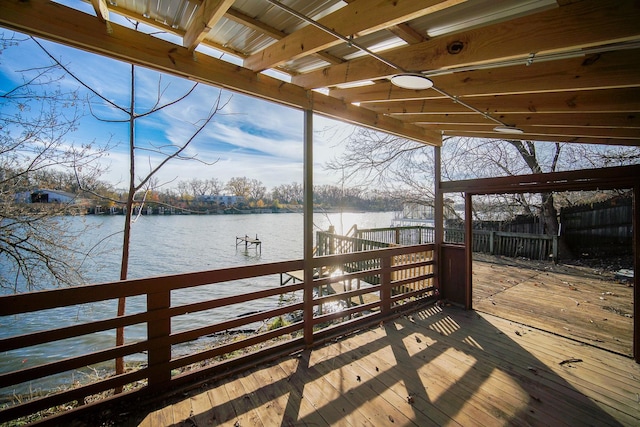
<point>565,71</point>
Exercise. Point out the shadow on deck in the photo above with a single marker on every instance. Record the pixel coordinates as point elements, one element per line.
<point>439,366</point>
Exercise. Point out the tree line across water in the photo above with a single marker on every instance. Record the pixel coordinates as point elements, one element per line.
<point>201,194</point>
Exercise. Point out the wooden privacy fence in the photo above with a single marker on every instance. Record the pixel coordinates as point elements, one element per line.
<point>405,279</point>
<point>604,228</point>
<point>533,246</point>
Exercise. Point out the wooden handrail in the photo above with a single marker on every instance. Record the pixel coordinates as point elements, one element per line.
<point>386,297</point>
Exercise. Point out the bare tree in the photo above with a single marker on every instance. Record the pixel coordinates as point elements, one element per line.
<point>216,186</point>
<point>39,248</point>
<point>257,191</point>
<point>288,193</point>
<point>392,163</point>
<point>140,186</point>
<point>199,187</point>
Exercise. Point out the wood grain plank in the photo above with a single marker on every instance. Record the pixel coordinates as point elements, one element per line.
<point>336,365</point>
<point>242,411</point>
<point>571,382</point>
<point>269,397</point>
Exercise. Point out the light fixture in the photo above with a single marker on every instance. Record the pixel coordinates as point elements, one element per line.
<point>508,129</point>
<point>411,81</point>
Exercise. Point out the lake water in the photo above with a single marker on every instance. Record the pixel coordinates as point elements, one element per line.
<point>173,244</point>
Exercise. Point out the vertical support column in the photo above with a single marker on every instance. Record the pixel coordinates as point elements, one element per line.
<point>156,329</point>
<point>438,220</point>
<point>636,272</point>
<point>308,227</point>
<point>468,250</point>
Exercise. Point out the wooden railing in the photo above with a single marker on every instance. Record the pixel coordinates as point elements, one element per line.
<point>533,246</point>
<point>405,279</point>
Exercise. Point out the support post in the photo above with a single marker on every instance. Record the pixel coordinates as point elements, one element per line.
<point>468,249</point>
<point>438,220</point>
<point>308,228</point>
<point>636,272</point>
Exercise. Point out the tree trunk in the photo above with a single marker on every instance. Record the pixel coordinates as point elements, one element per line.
<point>124,263</point>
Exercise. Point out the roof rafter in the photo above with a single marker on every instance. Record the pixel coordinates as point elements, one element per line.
<point>613,100</point>
<point>209,12</point>
<point>568,28</point>
<point>358,17</point>
<point>604,70</point>
<point>65,25</point>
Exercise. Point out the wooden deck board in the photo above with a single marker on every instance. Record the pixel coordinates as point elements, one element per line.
<point>574,381</point>
<point>575,302</point>
<point>270,403</point>
<point>352,386</point>
<point>243,410</point>
<point>439,366</point>
<point>560,385</point>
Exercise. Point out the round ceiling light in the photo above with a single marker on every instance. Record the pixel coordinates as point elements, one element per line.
<point>411,81</point>
<point>508,129</point>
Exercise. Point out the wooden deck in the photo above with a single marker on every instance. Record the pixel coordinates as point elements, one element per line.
<point>580,303</point>
<point>440,366</point>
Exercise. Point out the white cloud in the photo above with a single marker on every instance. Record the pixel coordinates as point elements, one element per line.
<point>249,137</point>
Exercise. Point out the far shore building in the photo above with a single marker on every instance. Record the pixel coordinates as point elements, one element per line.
<point>47,196</point>
<point>219,199</point>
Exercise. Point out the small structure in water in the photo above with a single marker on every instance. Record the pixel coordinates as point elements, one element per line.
<point>249,242</point>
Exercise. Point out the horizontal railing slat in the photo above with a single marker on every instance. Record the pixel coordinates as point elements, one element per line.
<point>234,346</point>
<point>53,368</point>
<point>236,299</point>
<point>36,338</point>
<point>55,298</point>
<point>192,334</point>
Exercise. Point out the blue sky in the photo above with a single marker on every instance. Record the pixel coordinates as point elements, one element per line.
<point>249,137</point>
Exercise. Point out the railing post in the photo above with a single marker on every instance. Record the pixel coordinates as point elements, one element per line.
<point>385,285</point>
<point>492,238</point>
<point>332,240</point>
<point>555,248</point>
<point>158,328</point>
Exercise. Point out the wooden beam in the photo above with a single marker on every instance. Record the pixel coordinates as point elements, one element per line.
<point>166,27</point>
<point>357,18</point>
<point>272,32</point>
<point>581,119</point>
<point>550,136</point>
<point>533,131</point>
<point>608,70</point>
<point>604,101</point>
<point>408,34</point>
<point>254,24</point>
<point>101,9</point>
<point>68,26</point>
<point>206,16</point>
<point>542,137</point>
<point>336,109</point>
<point>620,177</point>
<point>575,26</point>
